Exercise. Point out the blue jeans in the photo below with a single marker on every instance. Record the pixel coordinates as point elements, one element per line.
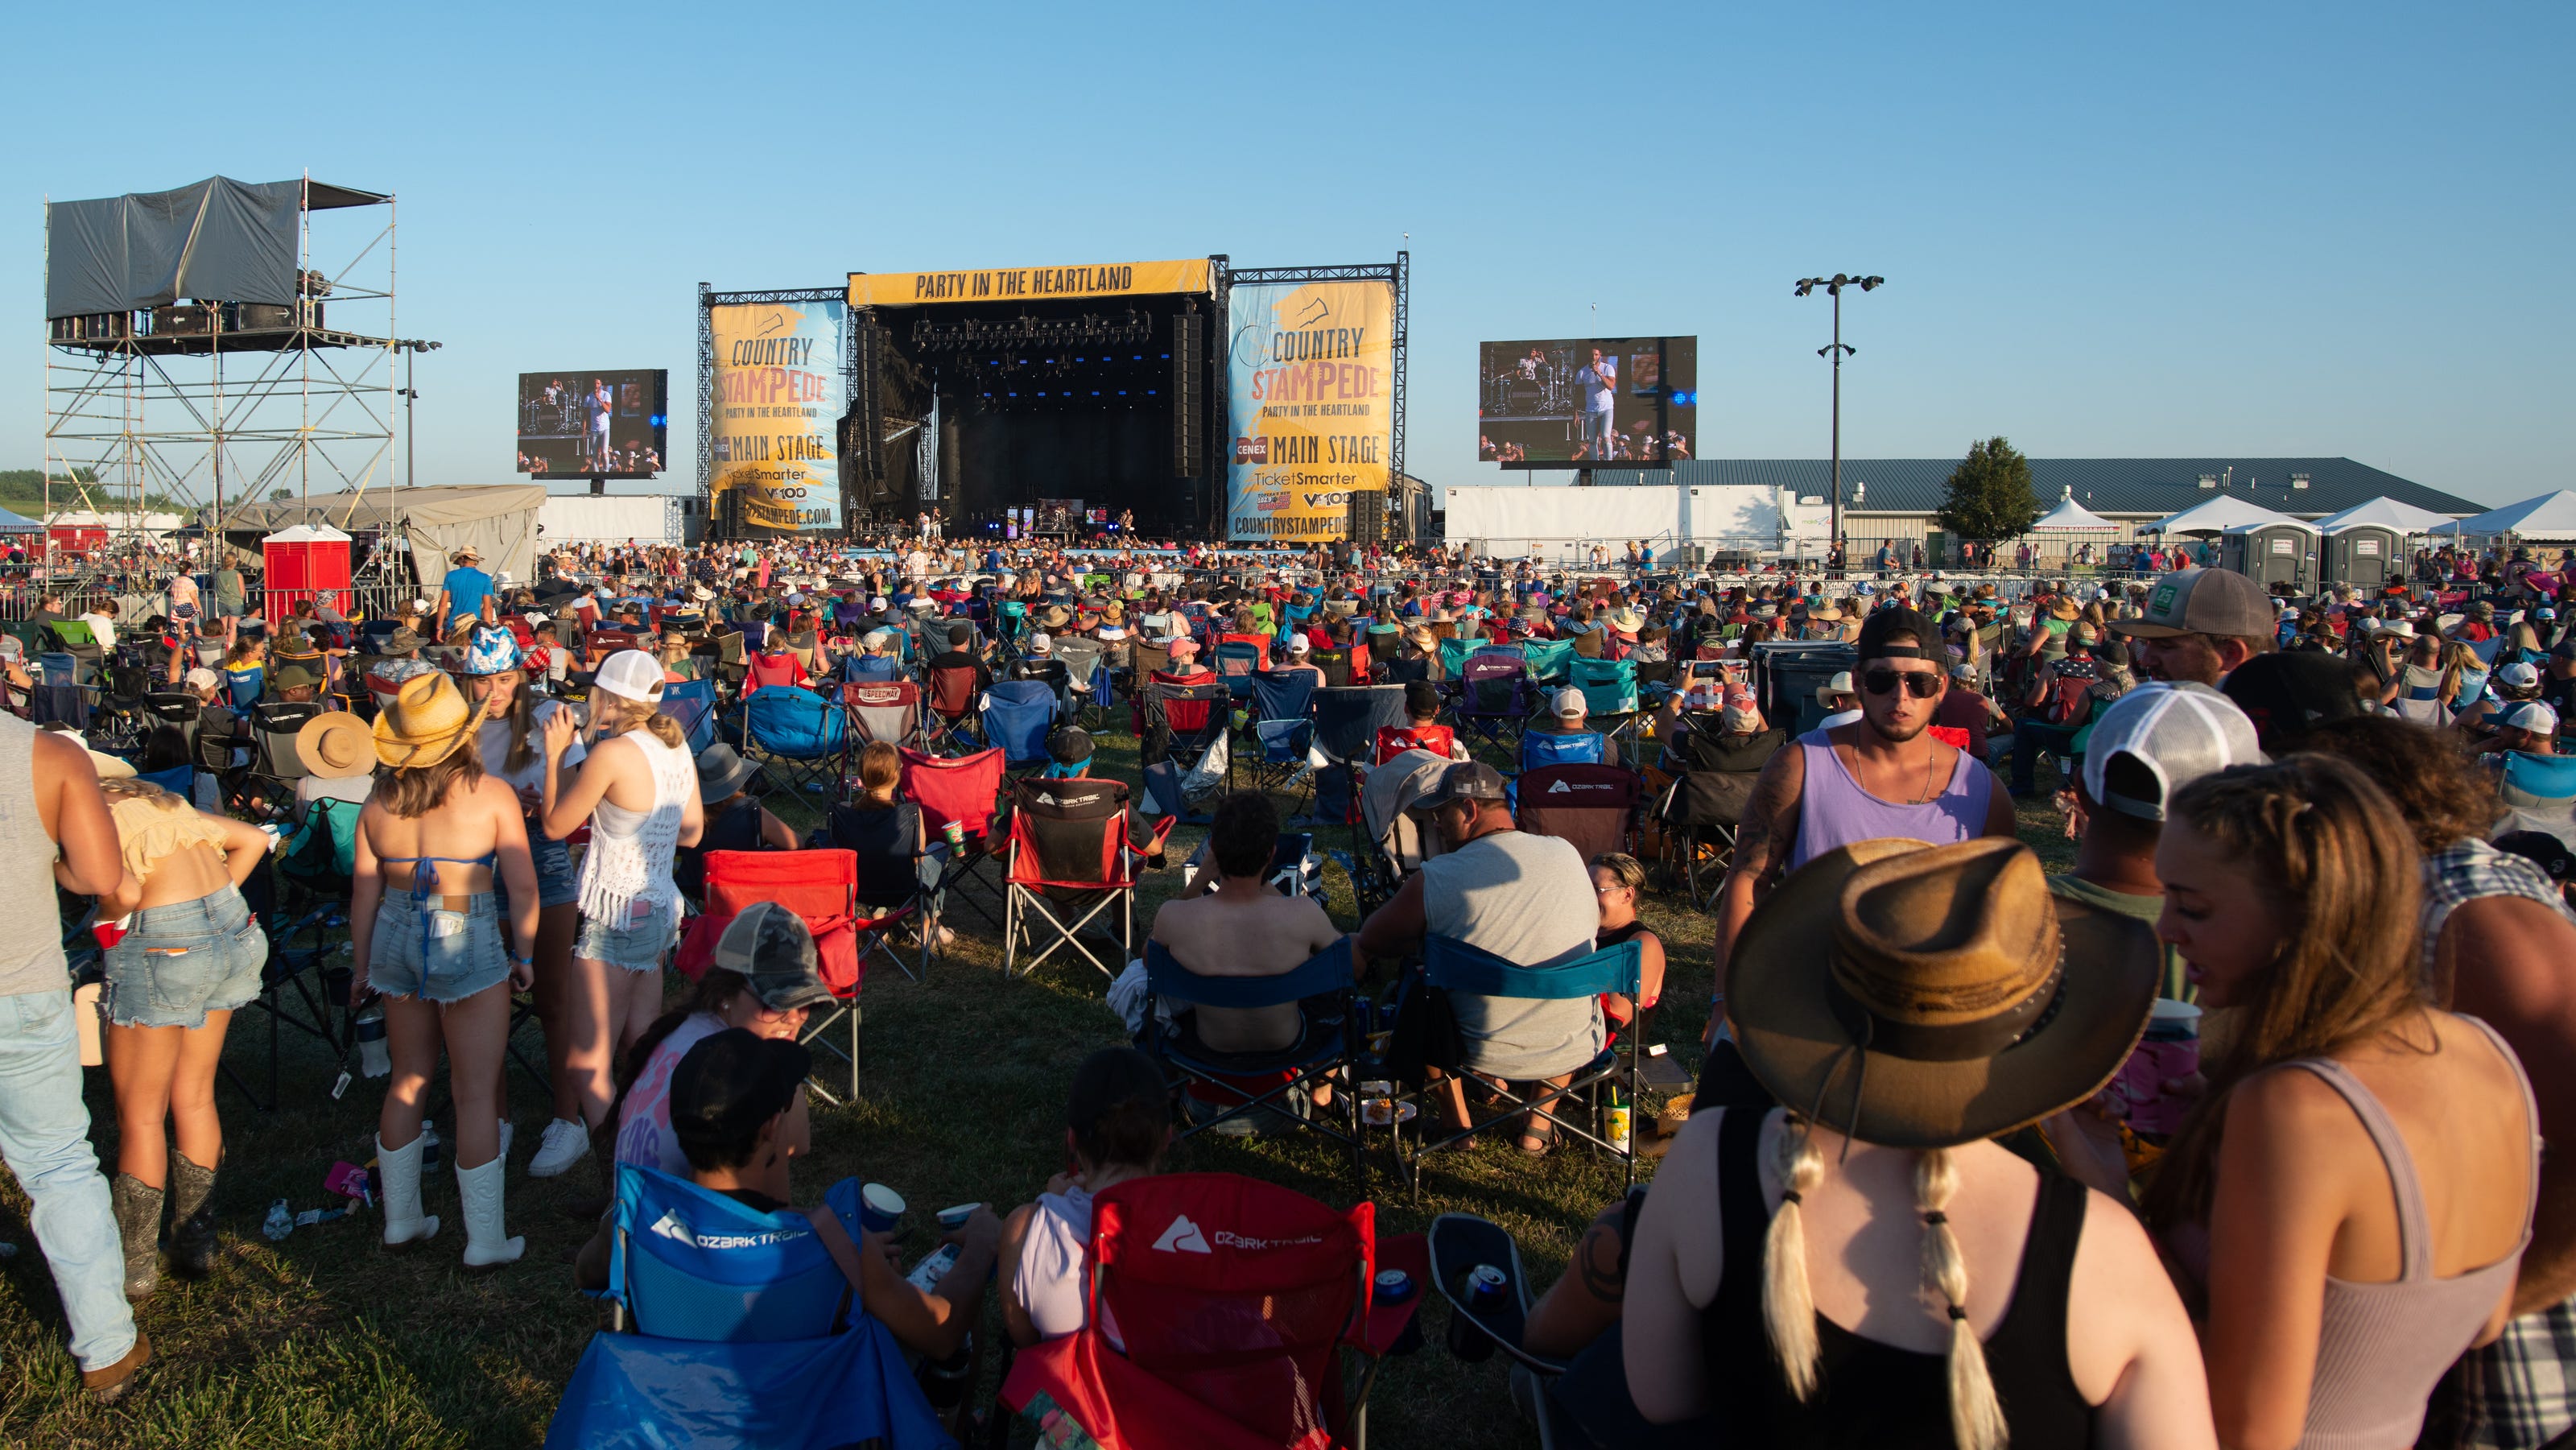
<point>2030,738</point>
<point>44,1135</point>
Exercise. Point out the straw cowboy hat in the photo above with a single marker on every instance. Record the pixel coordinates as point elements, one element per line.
<point>1055,617</point>
<point>1627,621</point>
<point>1959,999</point>
<point>1825,611</point>
<point>2063,606</point>
<point>335,745</point>
<point>424,723</point>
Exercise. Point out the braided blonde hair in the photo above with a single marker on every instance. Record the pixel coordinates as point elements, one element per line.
<point>1789,1303</point>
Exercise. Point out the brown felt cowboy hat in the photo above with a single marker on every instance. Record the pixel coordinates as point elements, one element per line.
<point>1959,998</point>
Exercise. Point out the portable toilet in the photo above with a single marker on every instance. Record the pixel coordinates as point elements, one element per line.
<point>2281,551</point>
<point>298,563</point>
<point>2365,556</point>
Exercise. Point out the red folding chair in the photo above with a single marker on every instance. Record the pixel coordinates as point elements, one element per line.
<point>952,701</point>
<point>1394,740</point>
<point>765,668</point>
<point>1069,853</point>
<point>820,886</point>
<point>1233,1301</point>
<point>961,789</point>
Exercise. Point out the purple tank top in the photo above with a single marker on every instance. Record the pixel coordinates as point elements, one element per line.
<point>1834,811</point>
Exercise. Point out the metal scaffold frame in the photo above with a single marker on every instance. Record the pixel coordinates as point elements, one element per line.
<point>235,411</point>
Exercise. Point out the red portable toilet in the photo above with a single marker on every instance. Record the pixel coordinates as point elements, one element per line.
<point>300,562</point>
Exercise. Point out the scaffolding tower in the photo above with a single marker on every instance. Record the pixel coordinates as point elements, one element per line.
<point>215,401</point>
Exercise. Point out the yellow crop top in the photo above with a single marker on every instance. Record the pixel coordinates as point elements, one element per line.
<point>147,831</point>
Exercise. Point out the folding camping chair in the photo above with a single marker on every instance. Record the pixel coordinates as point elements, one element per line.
<point>1609,693</point>
<point>693,704</point>
<point>952,703</point>
<point>1240,656</point>
<point>307,898</point>
<point>1706,801</point>
<point>959,790</point>
<point>887,710</point>
<point>1453,966</point>
<point>1069,851</point>
<point>1051,672</point>
<point>267,784</point>
<point>1329,1026</point>
<point>1177,724</point>
<point>1593,806</point>
<point>1394,740</point>
<point>1282,733</point>
<point>1493,696</point>
<point>1232,1301</point>
<point>799,736</point>
<point>1540,749</point>
<point>737,1327</point>
<point>1017,717</point>
<point>1087,677</point>
<point>2539,792</point>
<point>1347,720</point>
<point>1550,660</point>
<point>820,886</point>
<point>889,847</point>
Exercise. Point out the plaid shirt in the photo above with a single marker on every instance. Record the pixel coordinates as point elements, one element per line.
<point>2518,1393</point>
<point>2467,870</point>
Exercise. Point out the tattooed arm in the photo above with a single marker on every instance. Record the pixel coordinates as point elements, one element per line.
<point>1763,841</point>
<point>1585,1300</point>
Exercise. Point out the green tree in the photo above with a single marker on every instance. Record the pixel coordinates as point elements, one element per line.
<point>280,495</point>
<point>1990,496</point>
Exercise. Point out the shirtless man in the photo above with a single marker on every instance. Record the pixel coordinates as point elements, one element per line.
<point>1243,928</point>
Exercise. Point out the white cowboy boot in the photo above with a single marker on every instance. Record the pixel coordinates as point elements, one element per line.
<point>398,1172</point>
<point>480,1188</point>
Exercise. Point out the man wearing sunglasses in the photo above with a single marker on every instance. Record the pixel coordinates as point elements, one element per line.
<point>1881,776</point>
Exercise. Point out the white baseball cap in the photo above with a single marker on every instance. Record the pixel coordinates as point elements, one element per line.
<point>2533,716</point>
<point>1039,643</point>
<point>1298,644</point>
<point>2179,732</point>
<point>2520,675</point>
<point>632,674</point>
<point>1570,704</point>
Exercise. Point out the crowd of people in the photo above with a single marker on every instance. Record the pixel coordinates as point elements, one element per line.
<point>1943,1179</point>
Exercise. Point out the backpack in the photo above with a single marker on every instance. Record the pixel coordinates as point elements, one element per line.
<point>2069,701</point>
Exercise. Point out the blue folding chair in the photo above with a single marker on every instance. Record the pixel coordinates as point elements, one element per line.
<point>1328,1032</point>
<point>1282,735</point>
<point>693,704</point>
<point>1542,748</point>
<point>246,685</point>
<point>1609,686</point>
<point>1549,659</point>
<point>736,1327</point>
<point>1449,965</point>
<point>800,740</point>
<point>1017,716</point>
<point>2540,793</point>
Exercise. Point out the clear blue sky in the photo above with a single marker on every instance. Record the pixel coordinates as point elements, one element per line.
<point>2172,230</point>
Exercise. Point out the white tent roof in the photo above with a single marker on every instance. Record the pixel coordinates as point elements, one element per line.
<point>2218,516</point>
<point>2071,515</point>
<point>2384,512</point>
<point>2550,516</point>
<point>2278,521</point>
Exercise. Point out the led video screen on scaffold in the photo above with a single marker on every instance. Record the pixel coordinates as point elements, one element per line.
<point>594,423</point>
<point>1578,402</point>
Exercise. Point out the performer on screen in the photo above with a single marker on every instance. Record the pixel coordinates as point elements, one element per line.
<point>1531,365</point>
<point>1598,381</point>
<point>602,453</point>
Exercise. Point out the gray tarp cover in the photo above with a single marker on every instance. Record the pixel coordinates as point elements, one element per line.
<point>500,521</point>
<point>220,239</point>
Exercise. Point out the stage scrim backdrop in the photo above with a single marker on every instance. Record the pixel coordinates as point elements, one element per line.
<point>1312,377</point>
<point>778,399</point>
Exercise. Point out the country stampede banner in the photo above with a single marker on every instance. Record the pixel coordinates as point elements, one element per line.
<point>778,404</point>
<point>1017,284</point>
<point>1312,379</point>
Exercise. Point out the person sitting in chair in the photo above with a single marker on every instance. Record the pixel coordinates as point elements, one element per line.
<point>1243,928</point>
<point>1568,716</point>
<point>1526,899</point>
<point>736,820</point>
<point>1422,729</point>
<point>1118,1121</point>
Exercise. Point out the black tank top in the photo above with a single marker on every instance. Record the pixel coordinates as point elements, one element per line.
<point>1875,1395</point>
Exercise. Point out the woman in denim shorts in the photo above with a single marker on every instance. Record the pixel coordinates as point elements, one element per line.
<point>190,953</point>
<point>638,791</point>
<point>429,936</point>
<point>509,738</point>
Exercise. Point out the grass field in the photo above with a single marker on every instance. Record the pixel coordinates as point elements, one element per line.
<point>325,1340</point>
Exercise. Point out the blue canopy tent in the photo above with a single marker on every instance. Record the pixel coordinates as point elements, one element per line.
<point>16,524</point>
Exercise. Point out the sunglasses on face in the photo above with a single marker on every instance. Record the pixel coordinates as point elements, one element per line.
<point>1921,684</point>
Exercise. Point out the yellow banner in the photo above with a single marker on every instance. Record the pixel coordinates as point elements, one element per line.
<point>1022,284</point>
<point>1312,375</point>
<point>777,413</point>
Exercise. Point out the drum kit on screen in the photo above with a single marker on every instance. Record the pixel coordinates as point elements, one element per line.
<point>1532,387</point>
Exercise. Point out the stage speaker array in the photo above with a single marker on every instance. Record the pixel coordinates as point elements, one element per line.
<point>1189,405</point>
<point>1368,516</point>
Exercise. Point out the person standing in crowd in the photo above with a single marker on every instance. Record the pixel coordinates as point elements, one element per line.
<point>1524,898</point>
<point>2348,1204</point>
<point>427,935</point>
<point>1885,776</point>
<point>60,834</point>
<point>465,594</point>
<point>2048,1321</point>
<point>509,739</point>
<point>638,791</point>
<point>2199,624</point>
<point>189,956</point>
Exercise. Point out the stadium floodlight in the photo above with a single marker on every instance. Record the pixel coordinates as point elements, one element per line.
<point>1837,350</point>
